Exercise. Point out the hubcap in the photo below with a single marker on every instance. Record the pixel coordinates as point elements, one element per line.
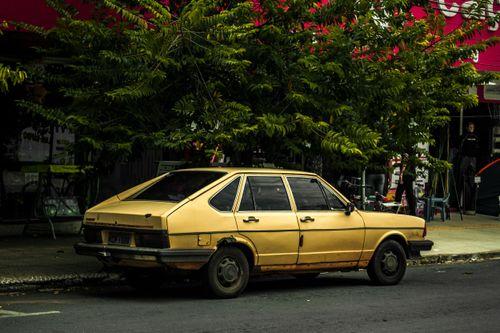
<point>390,263</point>
<point>228,271</point>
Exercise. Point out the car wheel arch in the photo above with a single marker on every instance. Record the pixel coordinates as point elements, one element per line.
<point>241,244</point>
<point>395,236</point>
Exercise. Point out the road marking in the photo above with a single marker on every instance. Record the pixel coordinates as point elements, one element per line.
<point>10,314</point>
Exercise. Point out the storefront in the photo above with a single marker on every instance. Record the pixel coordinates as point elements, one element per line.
<point>484,118</point>
<point>486,115</point>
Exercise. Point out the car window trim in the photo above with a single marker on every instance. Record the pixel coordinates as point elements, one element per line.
<point>283,180</point>
<point>240,196</point>
<point>326,188</point>
<point>323,190</point>
<point>235,197</point>
<point>251,194</point>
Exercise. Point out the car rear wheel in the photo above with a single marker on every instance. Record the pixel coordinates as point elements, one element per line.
<point>227,273</point>
<point>388,264</point>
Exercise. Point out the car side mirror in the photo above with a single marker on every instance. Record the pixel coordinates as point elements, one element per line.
<point>349,208</point>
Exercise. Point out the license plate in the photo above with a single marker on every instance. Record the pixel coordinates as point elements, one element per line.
<point>119,238</point>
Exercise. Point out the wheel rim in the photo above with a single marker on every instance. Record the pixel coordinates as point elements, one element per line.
<point>390,263</point>
<point>228,272</point>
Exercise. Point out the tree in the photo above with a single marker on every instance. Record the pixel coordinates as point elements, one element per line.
<point>9,76</point>
<point>307,81</point>
<point>382,79</point>
<point>348,80</point>
<point>153,76</point>
<point>419,75</point>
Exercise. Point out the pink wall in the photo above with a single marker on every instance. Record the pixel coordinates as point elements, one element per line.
<point>36,12</point>
<point>33,11</point>
<point>453,10</point>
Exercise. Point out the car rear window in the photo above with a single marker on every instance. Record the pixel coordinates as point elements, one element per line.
<point>176,186</point>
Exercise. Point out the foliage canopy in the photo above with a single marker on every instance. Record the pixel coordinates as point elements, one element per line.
<point>348,80</point>
<point>9,76</point>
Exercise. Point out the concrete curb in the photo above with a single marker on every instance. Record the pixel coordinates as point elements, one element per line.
<point>112,278</point>
<point>63,280</point>
<point>454,258</point>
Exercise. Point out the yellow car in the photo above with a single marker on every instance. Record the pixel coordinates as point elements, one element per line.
<point>228,223</point>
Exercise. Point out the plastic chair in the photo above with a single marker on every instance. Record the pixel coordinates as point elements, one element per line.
<point>441,204</point>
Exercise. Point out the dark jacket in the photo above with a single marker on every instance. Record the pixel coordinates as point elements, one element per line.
<point>469,145</point>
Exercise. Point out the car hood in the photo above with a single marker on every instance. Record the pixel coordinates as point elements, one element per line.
<point>382,220</point>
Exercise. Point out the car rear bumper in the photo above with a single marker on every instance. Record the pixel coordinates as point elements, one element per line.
<point>420,245</point>
<point>164,256</point>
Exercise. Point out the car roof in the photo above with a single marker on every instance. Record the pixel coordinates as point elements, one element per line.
<point>234,170</point>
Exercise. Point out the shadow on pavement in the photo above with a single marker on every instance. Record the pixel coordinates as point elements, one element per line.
<point>257,286</point>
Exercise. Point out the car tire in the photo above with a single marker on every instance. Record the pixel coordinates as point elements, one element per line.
<point>144,281</point>
<point>388,264</point>
<point>305,276</point>
<point>227,273</point>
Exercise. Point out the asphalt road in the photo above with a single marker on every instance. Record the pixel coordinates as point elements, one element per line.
<point>455,298</point>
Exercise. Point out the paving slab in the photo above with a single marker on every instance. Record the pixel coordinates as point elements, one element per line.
<point>30,258</point>
<point>475,234</point>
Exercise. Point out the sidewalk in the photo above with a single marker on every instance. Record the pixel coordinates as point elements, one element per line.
<point>476,233</point>
<point>40,261</point>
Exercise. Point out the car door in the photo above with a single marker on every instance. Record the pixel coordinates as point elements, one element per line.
<point>265,216</point>
<point>327,234</point>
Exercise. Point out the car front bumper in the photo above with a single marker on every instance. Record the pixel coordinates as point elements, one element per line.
<point>420,245</point>
<point>163,256</point>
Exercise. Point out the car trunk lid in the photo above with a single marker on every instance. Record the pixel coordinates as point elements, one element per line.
<point>131,213</point>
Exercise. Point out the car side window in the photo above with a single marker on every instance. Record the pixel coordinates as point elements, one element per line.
<point>224,200</point>
<point>308,194</point>
<point>264,193</point>
<point>333,201</point>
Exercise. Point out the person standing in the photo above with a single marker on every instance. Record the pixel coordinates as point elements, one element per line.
<point>469,147</point>
<point>407,176</point>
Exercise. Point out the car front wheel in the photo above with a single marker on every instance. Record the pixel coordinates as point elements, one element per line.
<point>388,264</point>
<point>227,273</point>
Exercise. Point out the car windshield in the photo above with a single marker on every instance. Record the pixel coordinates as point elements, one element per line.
<point>176,186</point>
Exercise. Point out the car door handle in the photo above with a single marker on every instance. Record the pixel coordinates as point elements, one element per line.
<point>306,219</point>
<point>251,219</point>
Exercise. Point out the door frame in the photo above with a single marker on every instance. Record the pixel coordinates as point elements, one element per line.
<point>303,231</point>
<point>296,230</point>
